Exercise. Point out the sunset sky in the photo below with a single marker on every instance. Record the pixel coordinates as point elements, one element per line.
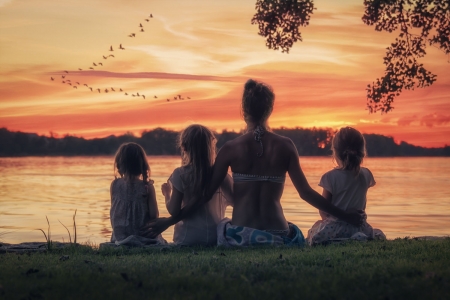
<point>204,50</point>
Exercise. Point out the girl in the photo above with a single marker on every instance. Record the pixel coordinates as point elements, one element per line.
<point>189,183</point>
<point>133,200</point>
<point>345,187</point>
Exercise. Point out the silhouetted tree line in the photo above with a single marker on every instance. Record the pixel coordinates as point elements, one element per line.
<point>309,142</point>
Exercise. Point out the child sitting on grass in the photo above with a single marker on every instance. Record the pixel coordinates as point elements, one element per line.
<point>345,187</point>
<point>133,199</point>
<point>189,183</point>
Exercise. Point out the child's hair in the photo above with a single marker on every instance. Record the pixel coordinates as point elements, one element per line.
<point>198,149</point>
<point>131,160</point>
<point>349,148</point>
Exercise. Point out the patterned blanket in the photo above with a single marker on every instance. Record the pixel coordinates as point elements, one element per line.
<point>230,235</point>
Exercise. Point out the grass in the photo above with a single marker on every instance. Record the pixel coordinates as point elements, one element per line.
<point>399,269</point>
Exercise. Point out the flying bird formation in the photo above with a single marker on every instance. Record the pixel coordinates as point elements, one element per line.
<point>98,64</point>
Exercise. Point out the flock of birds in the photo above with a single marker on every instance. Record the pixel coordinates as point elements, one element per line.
<point>76,84</point>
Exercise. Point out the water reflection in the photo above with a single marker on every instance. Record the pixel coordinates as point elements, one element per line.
<point>411,197</point>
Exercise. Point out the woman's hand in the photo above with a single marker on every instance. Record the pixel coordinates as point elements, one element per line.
<point>155,227</point>
<point>166,189</point>
<point>356,217</point>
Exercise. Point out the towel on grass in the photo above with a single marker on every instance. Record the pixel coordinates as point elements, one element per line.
<point>230,235</point>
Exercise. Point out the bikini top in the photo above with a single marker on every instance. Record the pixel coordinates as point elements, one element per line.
<point>238,177</point>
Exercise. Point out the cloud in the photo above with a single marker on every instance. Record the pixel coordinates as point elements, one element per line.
<point>153,75</point>
<point>406,121</point>
<point>4,2</point>
<point>434,119</point>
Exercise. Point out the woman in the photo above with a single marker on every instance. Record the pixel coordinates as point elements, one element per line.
<point>259,160</point>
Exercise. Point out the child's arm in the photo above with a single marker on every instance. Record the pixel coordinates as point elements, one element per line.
<point>173,198</point>
<point>327,195</point>
<point>152,205</point>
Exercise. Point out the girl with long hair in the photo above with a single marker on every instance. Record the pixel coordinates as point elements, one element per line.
<point>189,183</point>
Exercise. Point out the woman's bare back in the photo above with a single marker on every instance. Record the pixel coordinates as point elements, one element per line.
<point>257,203</point>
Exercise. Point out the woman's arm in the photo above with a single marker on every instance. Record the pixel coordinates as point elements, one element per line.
<point>173,198</point>
<point>311,196</point>
<point>227,189</point>
<point>327,195</point>
<point>152,205</point>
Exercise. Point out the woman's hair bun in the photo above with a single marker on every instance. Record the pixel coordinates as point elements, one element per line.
<point>250,84</point>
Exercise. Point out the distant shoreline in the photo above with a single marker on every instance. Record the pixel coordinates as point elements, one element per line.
<point>158,142</point>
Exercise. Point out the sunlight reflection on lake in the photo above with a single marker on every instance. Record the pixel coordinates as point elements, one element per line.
<point>411,198</point>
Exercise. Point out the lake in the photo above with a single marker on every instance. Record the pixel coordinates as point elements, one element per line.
<point>411,197</point>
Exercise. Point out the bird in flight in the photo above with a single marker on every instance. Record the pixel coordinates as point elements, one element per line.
<point>104,57</point>
<point>75,87</point>
<point>126,94</point>
<point>98,90</point>
<point>80,69</point>
<point>155,97</point>
<point>189,97</point>
<point>140,25</point>
<point>106,90</point>
<point>179,96</point>
<point>111,49</point>
<point>120,47</point>
<point>142,29</point>
<point>63,81</point>
<point>113,90</point>
<point>91,89</point>
<point>143,96</point>
<point>147,20</point>
<point>77,83</point>
<point>121,90</point>
<point>167,100</point>
<point>133,95</point>
<point>91,68</point>
<point>100,64</point>
<point>132,35</point>
<point>69,83</point>
<point>85,85</point>
<point>111,55</point>
<point>174,98</point>
<point>151,16</point>
<point>52,78</point>
<point>63,76</point>
<point>137,94</point>
<point>66,72</point>
<point>94,64</point>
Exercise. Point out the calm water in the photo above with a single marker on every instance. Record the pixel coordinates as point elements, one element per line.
<point>411,198</point>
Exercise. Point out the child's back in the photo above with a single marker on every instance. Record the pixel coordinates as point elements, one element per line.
<point>129,208</point>
<point>348,190</point>
<point>200,228</point>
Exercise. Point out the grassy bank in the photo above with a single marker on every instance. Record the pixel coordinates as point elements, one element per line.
<point>399,269</point>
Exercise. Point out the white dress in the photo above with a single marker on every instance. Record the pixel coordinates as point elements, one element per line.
<point>200,228</point>
<point>129,212</point>
<point>349,192</point>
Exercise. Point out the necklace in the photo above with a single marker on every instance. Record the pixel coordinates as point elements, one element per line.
<point>258,133</point>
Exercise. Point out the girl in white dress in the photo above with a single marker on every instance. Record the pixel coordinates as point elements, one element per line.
<point>346,188</point>
<point>189,183</point>
<point>133,200</point>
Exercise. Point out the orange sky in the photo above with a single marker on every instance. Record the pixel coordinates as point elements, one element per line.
<point>204,50</point>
